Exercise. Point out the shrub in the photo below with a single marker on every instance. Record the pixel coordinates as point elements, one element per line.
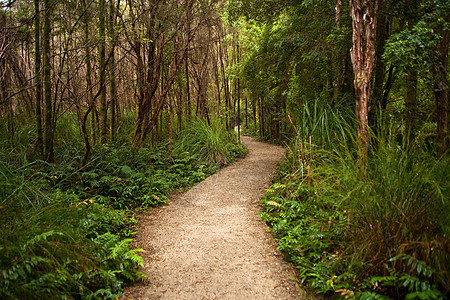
<point>374,235</point>
<point>55,245</point>
<point>209,142</point>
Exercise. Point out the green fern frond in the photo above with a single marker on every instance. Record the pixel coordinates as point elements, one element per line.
<point>41,237</point>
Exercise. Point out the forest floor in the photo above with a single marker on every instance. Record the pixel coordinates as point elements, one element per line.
<point>210,243</point>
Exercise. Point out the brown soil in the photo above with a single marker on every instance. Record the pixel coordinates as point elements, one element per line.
<point>210,243</point>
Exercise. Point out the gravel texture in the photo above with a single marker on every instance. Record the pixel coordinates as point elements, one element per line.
<point>210,243</point>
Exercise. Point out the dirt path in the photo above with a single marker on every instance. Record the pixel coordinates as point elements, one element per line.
<point>210,243</point>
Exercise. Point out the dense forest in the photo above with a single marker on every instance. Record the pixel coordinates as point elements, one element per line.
<point>109,106</point>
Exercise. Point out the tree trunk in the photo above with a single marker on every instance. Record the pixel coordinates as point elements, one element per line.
<point>89,92</point>
<point>186,59</point>
<point>179,98</point>
<point>262,123</point>
<point>112,69</point>
<point>254,112</point>
<point>102,71</point>
<point>145,105</point>
<point>411,80</point>
<point>337,15</point>
<point>188,92</point>
<point>380,68</point>
<point>139,141</point>
<point>37,71</point>
<point>48,122</point>
<point>169,125</point>
<point>238,94</point>
<point>387,88</point>
<point>225,83</point>
<point>246,112</point>
<point>363,13</point>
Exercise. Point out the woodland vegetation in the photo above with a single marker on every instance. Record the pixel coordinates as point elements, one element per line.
<point>108,106</point>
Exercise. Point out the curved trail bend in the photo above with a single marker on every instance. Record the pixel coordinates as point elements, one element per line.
<point>210,243</point>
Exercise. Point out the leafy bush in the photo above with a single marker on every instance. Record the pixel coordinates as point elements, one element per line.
<point>66,228</point>
<point>252,130</point>
<point>124,178</point>
<point>384,234</point>
<point>56,246</point>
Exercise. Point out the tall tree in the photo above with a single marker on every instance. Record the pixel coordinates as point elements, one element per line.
<point>411,9</point>
<point>37,72</point>
<point>188,8</point>
<point>363,13</point>
<point>90,100</point>
<point>48,124</point>
<point>382,32</point>
<point>102,71</point>
<point>112,67</point>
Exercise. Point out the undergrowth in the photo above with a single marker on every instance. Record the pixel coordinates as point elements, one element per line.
<point>380,236</point>
<point>210,142</point>
<point>67,228</point>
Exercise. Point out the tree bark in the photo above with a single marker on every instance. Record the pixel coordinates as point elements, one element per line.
<point>89,92</point>
<point>337,15</point>
<point>48,121</point>
<point>112,69</point>
<point>238,92</point>
<point>37,71</point>
<point>363,13</point>
<point>379,68</point>
<point>188,7</point>
<point>102,71</point>
<point>176,63</point>
<point>225,82</point>
<point>411,80</point>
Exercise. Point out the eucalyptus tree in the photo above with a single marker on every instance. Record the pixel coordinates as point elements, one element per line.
<point>363,14</point>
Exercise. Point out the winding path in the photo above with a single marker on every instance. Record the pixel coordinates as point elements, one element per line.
<point>210,243</point>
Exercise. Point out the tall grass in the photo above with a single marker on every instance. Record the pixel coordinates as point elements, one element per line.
<point>209,142</point>
<point>401,208</point>
<point>317,128</point>
<point>320,122</point>
<point>395,237</point>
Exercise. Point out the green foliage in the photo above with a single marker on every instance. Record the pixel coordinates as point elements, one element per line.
<point>412,48</point>
<point>55,247</point>
<point>309,231</point>
<point>320,122</point>
<point>261,10</point>
<point>66,229</point>
<point>252,130</point>
<point>384,234</point>
<point>209,142</point>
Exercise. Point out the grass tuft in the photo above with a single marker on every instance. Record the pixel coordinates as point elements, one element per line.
<point>210,142</point>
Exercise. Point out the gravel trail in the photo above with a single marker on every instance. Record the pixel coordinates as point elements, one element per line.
<point>210,243</point>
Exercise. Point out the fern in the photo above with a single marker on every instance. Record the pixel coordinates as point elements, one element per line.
<point>41,237</point>
<point>370,296</point>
